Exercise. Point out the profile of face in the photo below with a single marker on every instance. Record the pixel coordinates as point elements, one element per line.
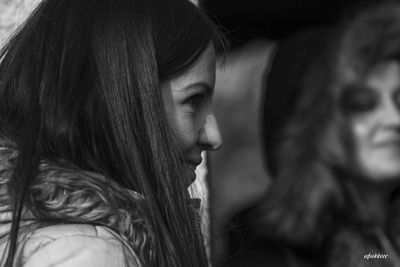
<point>375,122</point>
<point>187,100</point>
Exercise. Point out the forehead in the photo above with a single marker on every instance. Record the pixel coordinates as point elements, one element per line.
<point>201,70</point>
<point>384,76</point>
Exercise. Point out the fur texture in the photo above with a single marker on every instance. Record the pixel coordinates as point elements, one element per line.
<point>65,194</point>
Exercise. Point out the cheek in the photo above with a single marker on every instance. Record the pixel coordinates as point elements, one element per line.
<point>186,130</point>
<point>181,123</point>
<point>363,129</point>
<point>360,132</point>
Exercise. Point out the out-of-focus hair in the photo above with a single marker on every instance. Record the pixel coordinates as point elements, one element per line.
<point>80,81</point>
<point>308,144</point>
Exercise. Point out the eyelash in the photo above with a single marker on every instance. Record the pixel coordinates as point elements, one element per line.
<point>195,101</point>
<point>359,101</point>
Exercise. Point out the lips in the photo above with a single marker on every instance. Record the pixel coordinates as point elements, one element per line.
<point>392,142</point>
<point>190,166</point>
<point>193,163</point>
<point>386,138</point>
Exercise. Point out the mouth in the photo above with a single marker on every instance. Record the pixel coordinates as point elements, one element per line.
<point>388,143</point>
<point>190,167</point>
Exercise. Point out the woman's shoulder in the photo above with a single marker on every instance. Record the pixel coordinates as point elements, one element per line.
<point>75,245</point>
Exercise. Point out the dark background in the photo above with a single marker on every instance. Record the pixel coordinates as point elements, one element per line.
<point>275,19</point>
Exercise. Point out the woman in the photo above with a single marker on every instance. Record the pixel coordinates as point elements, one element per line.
<point>105,108</point>
<point>335,153</point>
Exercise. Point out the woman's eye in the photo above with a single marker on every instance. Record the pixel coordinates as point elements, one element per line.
<point>358,100</point>
<point>396,97</point>
<point>195,101</point>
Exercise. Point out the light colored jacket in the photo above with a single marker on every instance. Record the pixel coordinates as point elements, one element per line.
<point>103,224</point>
<point>73,245</point>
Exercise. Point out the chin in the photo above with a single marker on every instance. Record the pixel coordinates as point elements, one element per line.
<point>190,177</point>
<point>380,167</point>
<point>384,174</point>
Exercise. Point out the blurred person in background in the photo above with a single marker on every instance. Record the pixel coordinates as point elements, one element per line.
<point>332,145</point>
<point>290,60</point>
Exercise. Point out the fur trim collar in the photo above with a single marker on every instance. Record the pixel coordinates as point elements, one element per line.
<point>65,194</point>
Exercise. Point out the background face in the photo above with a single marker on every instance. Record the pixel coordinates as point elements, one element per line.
<point>187,99</point>
<point>375,122</point>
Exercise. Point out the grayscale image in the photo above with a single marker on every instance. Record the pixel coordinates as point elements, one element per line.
<point>199,133</point>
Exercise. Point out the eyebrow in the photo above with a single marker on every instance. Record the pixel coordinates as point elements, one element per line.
<point>357,87</point>
<point>208,88</point>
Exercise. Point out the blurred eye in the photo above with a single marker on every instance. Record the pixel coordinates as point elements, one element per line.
<point>358,100</point>
<point>396,97</point>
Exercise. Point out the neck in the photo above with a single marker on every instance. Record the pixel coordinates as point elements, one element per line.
<point>371,199</point>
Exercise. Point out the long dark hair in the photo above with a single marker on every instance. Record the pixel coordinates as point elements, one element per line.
<point>80,81</point>
<point>299,140</point>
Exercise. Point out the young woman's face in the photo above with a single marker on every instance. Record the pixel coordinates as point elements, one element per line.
<point>187,99</point>
<point>375,122</point>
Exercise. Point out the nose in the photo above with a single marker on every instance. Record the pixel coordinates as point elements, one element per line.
<point>390,116</point>
<point>392,113</point>
<point>209,135</point>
